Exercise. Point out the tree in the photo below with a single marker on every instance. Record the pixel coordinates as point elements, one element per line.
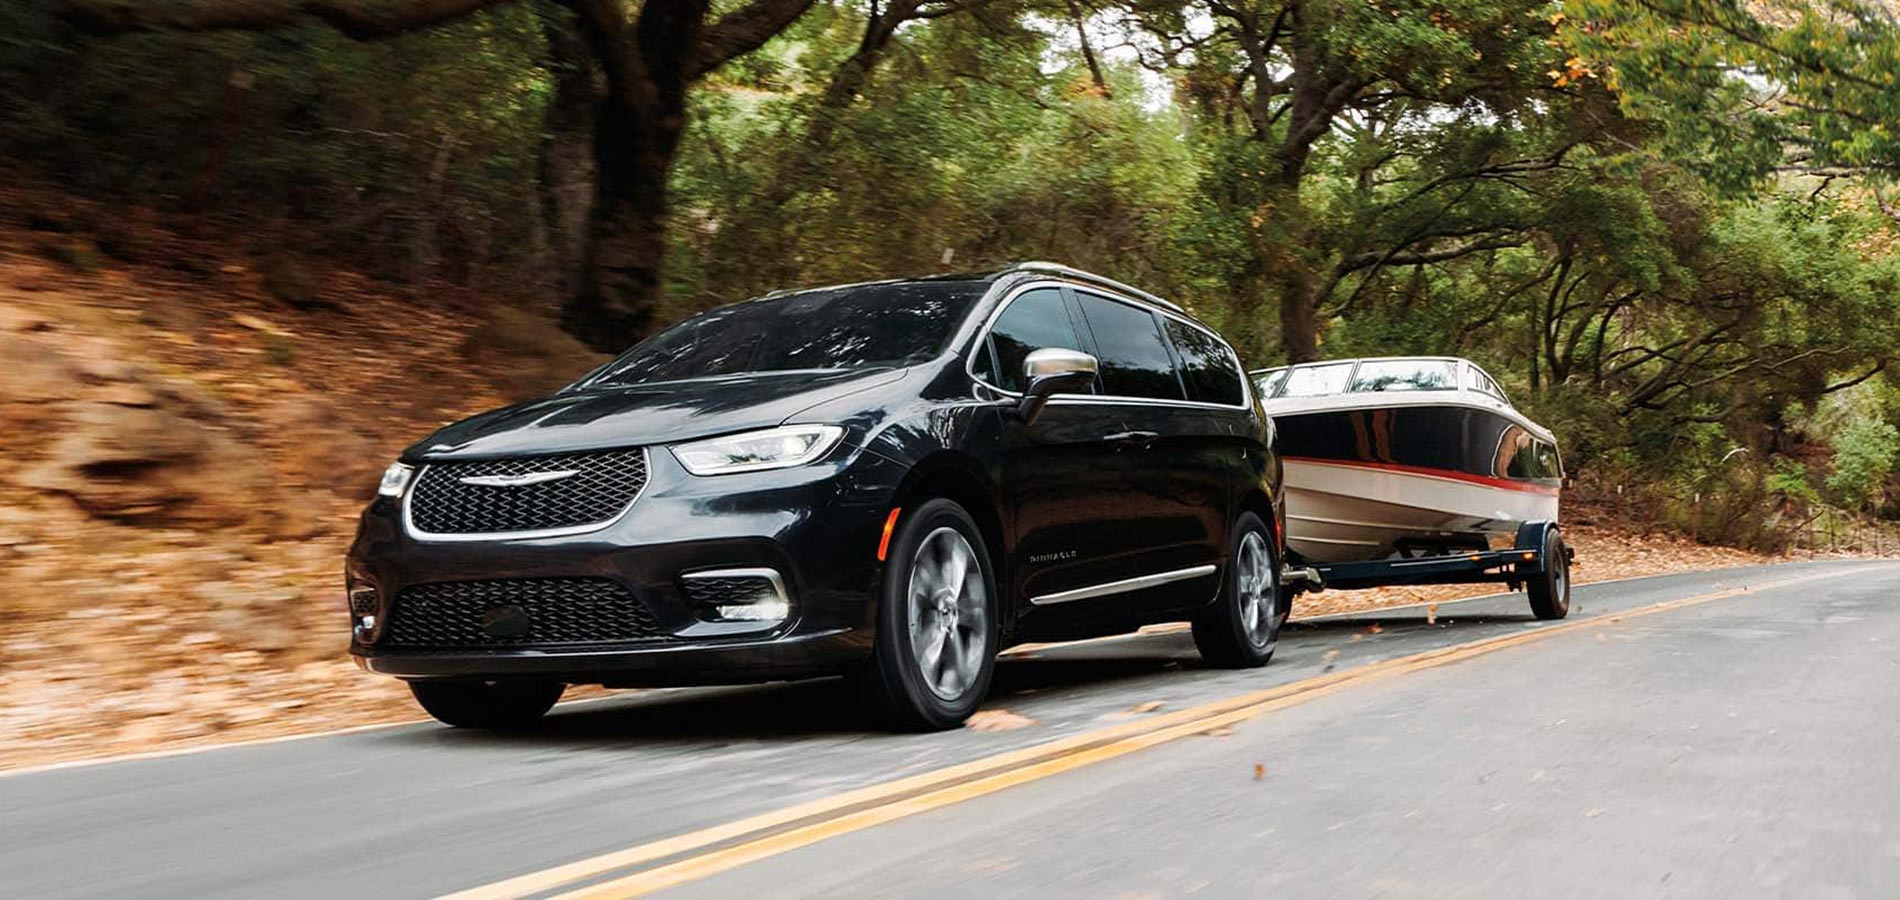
<point>1863,458</point>
<point>1277,78</point>
<point>648,61</point>
<point>1751,88</point>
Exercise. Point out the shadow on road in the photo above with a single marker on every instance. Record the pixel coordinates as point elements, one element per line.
<point>806,709</point>
<point>833,706</point>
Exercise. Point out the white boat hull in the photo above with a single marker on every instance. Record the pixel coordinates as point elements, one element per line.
<point>1339,511</point>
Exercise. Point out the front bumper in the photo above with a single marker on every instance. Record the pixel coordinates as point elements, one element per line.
<point>817,525</point>
<point>792,655</point>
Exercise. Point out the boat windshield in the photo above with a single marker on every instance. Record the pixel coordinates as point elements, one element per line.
<point>1315,381</point>
<point>1376,375</point>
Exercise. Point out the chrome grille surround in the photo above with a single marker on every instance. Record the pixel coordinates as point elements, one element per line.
<point>602,487</point>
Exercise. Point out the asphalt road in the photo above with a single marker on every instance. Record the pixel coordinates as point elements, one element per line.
<point>1743,744</point>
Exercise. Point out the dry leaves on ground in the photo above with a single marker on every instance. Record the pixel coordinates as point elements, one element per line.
<point>997,720</point>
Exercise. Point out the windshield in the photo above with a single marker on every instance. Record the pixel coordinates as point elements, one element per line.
<point>1405,375</point>
<point>1315,381</point>
<point>857,327</point>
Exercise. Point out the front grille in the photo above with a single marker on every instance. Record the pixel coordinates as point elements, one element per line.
<point>600,488</point>
<point>557,611</point>
<point>708,592</point>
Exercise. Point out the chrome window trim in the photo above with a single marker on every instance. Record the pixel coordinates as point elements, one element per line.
<point>766,572</point>
<point>409,524</point>
<point>1137,583</point>
<point>982,342</point>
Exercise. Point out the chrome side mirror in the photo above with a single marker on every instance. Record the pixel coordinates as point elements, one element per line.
<point>1052,371</point>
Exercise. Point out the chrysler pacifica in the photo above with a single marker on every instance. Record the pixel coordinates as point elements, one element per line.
<point>889,481</point>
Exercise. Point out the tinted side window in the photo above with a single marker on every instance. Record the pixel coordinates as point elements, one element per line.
<point>1035,320</point>
<point>1522,456</point>
<point>1206,366</point>
<point>1135,360</point>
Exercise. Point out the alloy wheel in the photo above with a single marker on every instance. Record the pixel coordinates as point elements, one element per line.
<point>1254,583</point>
<point>949,613</point>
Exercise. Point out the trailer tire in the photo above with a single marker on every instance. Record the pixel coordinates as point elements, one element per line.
<point>1549,590</point>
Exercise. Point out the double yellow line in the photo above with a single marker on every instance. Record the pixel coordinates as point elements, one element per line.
<point>709,851</point>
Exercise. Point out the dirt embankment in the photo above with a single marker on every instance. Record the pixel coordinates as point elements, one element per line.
<point>188,435</point>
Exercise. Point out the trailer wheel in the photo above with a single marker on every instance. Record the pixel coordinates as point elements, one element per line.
<point>1550,590</point>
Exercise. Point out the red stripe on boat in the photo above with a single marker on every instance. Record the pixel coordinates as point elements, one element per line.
<point>1452,474</point>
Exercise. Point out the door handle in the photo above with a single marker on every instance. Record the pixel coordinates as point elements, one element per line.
<point>1137,438</point>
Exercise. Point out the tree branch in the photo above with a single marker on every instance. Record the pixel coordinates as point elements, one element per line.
<point>358,19</point>
<point>744,30</point>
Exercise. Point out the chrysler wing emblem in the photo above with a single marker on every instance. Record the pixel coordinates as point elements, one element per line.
<point>509,481</point>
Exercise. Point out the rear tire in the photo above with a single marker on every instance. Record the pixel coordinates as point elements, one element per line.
<point>1241,630</point>
<point>935,647</point>
<point>508,705</point>
<point>1549,590</point>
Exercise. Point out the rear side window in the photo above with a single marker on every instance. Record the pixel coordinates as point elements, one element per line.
<point>1035,320</point>
<point>1135,360</point>
<point>1211,374</point>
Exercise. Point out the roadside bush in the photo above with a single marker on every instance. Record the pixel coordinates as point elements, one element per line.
<point>1863,458</point>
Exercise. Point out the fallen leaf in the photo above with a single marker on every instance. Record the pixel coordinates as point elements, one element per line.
<point>1259,771</point>
<point>1147,707</point>
<point>997,720</point>
<point>1375,629</point>
<point>1431,614</point>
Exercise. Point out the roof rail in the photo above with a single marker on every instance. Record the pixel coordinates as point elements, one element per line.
<point>1079,275</point>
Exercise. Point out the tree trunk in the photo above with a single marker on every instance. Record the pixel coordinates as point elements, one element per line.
<point>567,168</point>
<point>637,134</point>
<point>1088,51</point>
<point>622,275</point>
<point>1315,100</point>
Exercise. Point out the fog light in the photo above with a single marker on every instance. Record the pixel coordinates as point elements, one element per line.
<point>762,611</point>
<point>738,595</point>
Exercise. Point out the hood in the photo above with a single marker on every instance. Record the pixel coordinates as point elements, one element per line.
<point>642,415</point>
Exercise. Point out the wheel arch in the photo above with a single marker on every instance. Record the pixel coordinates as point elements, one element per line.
<point>1256,501</point>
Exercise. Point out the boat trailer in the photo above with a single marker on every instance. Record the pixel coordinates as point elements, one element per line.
<point>1538,560</point>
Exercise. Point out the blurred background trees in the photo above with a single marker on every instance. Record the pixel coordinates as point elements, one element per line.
<point>1667,225</point>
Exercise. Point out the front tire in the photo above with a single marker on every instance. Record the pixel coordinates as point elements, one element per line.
<point>936,621</point>
<point>510,705</point>
<point>1243,628</point>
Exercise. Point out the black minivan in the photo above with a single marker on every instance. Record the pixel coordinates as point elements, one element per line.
<point>890,481</point>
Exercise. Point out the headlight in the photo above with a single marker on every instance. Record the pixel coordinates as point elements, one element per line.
<point>773,448</point>
<point>395,479</point>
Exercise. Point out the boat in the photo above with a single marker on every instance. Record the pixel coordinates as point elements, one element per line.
<point>1395,457</point>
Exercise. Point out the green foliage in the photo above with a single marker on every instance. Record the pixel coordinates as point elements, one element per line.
<point>1790,481</point>
<point>1663,224</point>
<point>1863,458</point>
